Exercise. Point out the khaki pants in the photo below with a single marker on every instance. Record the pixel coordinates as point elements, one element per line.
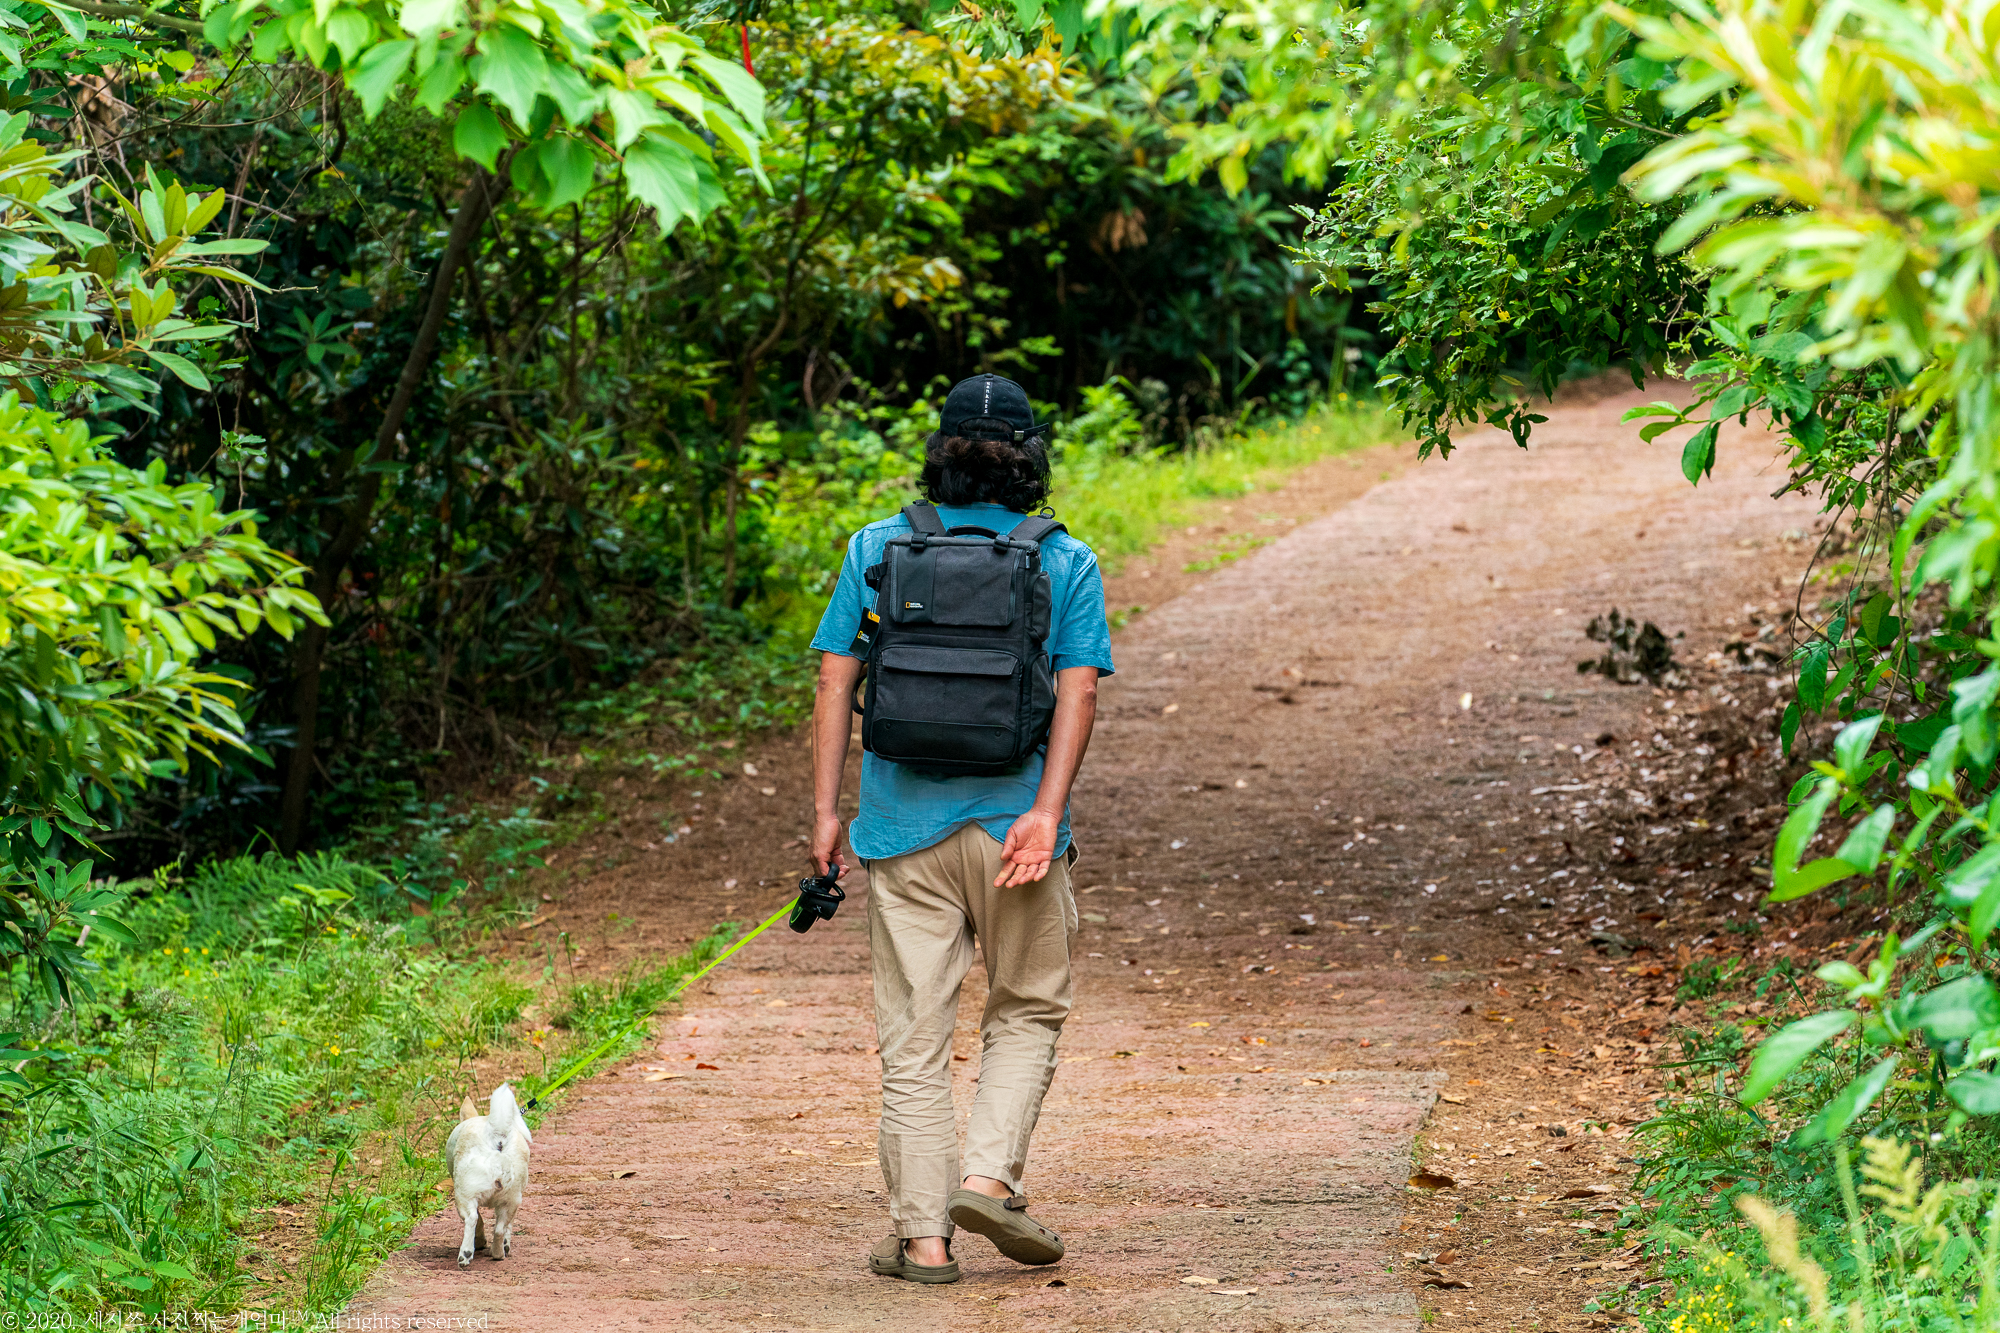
<point>924,911</point>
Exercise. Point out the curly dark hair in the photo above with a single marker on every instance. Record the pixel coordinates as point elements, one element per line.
<point>961,471</point>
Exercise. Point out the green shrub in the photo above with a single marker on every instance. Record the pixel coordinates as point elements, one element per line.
<point>269,1042</point>
<point>1911,1259</point>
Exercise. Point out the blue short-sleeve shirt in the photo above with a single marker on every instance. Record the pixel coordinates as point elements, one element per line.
<point>906,811</point>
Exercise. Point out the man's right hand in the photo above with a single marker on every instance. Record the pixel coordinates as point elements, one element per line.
<point>825,850</point>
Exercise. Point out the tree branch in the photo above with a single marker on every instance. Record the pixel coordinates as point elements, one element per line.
<point>140,13</point>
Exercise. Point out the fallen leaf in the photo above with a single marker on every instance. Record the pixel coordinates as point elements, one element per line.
<point>661,1078</point>
<point>1531,1272</point>
<point>1588,1191</point>
<point>1197,1025</point>
<point>1193,1281</point>
<point>1445,1257</point>
<point>442,1187</point>
<point>1170,708</point>
<point>707,1066</point>
<point>749,770</point>
<point>796,1115</point>
<point>1448,1283</point>
<point>1234,1291</point>
<point>1447,1097</point>
<point>1431,1180</point>
<point>776,1004</point>
<point>620,1175</point>
<point>767,791</point>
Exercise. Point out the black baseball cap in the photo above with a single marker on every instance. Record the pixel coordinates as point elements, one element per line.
<point>990,406</point>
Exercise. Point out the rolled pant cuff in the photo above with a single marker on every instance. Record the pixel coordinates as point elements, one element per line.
<point>999,1173</point>
<point>918,1230</point>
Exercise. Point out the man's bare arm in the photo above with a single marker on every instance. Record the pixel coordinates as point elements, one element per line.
<point>1031,842</point>
<point>833,725</point>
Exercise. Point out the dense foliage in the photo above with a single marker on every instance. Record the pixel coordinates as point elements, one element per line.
<point>523,430</point>
<point>1817,183</point>
<point>280,1052</point>
<point>559,344</point>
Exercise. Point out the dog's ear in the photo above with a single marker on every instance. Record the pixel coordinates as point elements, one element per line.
<point>467,1111</point>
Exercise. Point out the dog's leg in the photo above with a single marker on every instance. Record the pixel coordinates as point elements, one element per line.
<point>503,1229</point>
<point>479,1238</point>
<point>470,1216</point>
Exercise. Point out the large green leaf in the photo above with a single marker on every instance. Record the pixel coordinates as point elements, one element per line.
<point>1850,747</point>
<point>1698,454</point>
<point>1784,1050</point>
<point>569,165</point>
<point>512,69</point>
<point>1863,848</point>
<point>1834,1118</point>
<point>1978,1092</point>
<point>737,84</point>
<point>183,369</point>
<point>1791,880</point>
<point>663,175</point>
<point>479,135</point>
<point>374,77</point>
<point>1957,1008</point>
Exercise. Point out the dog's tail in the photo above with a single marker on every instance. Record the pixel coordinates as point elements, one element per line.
<point>504,1114</point>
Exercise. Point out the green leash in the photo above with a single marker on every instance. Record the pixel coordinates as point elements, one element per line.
<point>579,1066</point>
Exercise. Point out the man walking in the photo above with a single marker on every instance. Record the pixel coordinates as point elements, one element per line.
<point>964,813</point>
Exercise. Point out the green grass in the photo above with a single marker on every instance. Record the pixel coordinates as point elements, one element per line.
<point>251,1111</point>
<point>1898,1226</point>
<point>1122,503</point>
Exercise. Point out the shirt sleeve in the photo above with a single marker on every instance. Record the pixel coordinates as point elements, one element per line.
<point>843,610</point>
<point>1079,635</point>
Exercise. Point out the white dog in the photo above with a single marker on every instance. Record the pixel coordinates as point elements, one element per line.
<point>488,1156</point>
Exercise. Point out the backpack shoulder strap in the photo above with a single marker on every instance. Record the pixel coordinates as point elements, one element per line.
<point>924,518</point>
<point>1035,528</point>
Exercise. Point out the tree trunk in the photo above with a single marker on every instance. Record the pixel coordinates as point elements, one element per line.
<point>474,205</point>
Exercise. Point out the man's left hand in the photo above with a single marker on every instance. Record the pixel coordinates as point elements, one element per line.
<point>1030,847</point>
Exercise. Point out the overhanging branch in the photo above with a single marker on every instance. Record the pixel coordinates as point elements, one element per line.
<point>138,13</point>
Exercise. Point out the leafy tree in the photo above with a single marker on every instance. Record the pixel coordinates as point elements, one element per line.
<point>115,581</point>
<point>1827,168</point>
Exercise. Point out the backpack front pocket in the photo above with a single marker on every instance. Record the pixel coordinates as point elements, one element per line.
<point>931,705</point>
<point>951,582</point>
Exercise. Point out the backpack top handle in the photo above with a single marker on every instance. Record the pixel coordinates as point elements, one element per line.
<point>924,522</point>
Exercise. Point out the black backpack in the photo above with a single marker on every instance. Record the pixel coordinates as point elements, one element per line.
<point>958,679</point>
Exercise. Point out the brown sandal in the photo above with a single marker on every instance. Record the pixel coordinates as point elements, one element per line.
<point>1006,1223</point>
<point>887,1259</point>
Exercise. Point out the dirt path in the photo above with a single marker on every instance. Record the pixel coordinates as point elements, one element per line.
<point>1296,827</point>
